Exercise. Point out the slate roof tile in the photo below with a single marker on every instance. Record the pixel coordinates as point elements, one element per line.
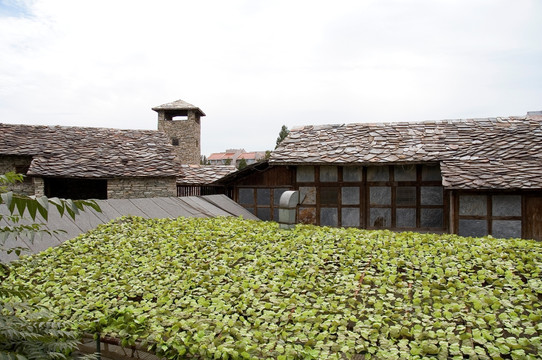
<point>85,152</point>
<point>203,174</point>
<point>507,151</point>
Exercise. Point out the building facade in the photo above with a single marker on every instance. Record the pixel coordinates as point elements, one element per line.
<point>101,163</point>
<point>180,121</point>
<point>472,177</point>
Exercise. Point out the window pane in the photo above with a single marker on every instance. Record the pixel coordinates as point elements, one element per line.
<point>350,217</point>
<point>506,229</point>
<point>246,196</point>
<point>352,173</point>
<point>431,173</point>
<point>350,195</point>
<point>264,214</point>
<point>474,228</point>
<point>380,195</point>
<point>506,205</point>
<point>405,172</point>
<point>470,205</point>
<point>305,174</point>
<point>328,174</point>
<point>263,197</point>
<point>329,217</point>
<point>406,218</point>
<point>432,218</point>
<point>307,216</point>
<point>431,195</point>
<point>380,218</point>
<point>329,195</point>
<point>307,195</point>
<point>378,173</point>
<point>405,196</point>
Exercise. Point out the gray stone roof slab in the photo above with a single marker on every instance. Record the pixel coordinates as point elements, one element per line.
<point>203,174</point>
<point>84,152</point>
<point>506,150</point>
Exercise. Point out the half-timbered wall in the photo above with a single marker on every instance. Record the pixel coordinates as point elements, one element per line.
<point>260,192</point>
<point>504,214</point>
<point>396,197</point>
<point>407,197</point>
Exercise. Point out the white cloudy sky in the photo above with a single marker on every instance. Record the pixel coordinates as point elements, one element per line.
<point>254,65</point>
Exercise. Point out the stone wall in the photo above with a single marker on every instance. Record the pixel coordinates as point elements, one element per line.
<point>130,188</point>
<point>184,135</point>
<point>18,164</point>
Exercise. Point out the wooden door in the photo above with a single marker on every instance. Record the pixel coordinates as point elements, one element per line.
<point>533,217</point>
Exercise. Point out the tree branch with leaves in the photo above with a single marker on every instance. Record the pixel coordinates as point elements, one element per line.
<point>27,331</point>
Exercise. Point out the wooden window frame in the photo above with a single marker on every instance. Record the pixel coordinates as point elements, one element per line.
<point>418,184</point>
<point>489,218</point>
<point>364,205</point>
<point>272,206</point>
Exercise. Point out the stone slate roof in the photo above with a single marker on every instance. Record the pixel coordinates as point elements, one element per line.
<point>84,152</point>
<point>492,153</point>
<point>203,174</point>
<point>178,105</point>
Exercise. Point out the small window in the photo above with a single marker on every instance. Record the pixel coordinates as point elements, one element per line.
<point>329,195</point>
<point>352,173</point>
<point>328,174</point>
<point>246,196</point>
<point>175,141</point>
<point>22,169</point>
<point>263,197</point>
<point>305,174</point>
<point>380,195</point>
<point>378,173</point>
<point>406,196</point>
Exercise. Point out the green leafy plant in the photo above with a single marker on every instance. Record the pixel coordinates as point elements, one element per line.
<point>237,289</point>
<point>27,331</point>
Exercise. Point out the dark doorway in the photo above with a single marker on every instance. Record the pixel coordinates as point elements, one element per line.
<point>533,217</point>
<point>76,189</point>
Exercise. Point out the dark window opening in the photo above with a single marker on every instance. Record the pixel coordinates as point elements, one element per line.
<point>175,141</point>
<point>22,169</point>
<point>329,195</point>
<point>76,189</point>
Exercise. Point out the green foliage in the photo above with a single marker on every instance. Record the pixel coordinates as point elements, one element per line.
<point>27,331</point>
<point>242,164</point>
<point>282,135</point>
<point>237,289</point>
<point>204,161</point>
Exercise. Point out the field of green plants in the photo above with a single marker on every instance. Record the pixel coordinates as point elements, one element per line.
<point>235,289</point>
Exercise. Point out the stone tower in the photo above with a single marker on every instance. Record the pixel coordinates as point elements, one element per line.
<point>181,123</point>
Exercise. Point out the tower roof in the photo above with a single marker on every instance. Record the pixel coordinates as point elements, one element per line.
<point>178,105</point>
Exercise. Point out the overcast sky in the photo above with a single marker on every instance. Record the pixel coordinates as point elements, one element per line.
<point>255,65</point>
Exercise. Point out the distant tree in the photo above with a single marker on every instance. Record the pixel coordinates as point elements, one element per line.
<point>204,161</point>
<point>227,162</point>
<point>267,154</point>
<point>282,135</point>
<point>242,164</point>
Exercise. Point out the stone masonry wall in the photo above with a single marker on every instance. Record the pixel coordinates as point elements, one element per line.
<point>15,163</point>
<point>187,135</point>
<point>130,188</point>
